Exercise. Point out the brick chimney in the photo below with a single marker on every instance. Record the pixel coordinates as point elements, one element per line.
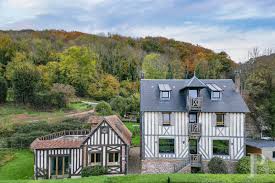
<point>237,82</point>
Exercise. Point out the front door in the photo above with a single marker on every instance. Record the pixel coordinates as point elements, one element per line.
<point>59,167</point>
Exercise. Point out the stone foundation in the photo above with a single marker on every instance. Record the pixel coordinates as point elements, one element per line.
<point>161,166</point>
<point>231,166</point>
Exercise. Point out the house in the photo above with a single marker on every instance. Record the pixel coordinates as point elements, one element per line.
<point>261,147</point>
<point>64,154</point>
<point>186,122</point>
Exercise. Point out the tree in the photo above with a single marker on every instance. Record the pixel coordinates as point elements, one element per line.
<point>258,88</point>
<point>104,89</point>
<point>104,109</point>
<point>120,105</point>
<point>78,68</point>
<point>7,49</point>
<point>3,90</point>
<point>154,66</point>
<point>25,81</point>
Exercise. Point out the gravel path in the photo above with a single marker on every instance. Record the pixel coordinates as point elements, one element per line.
<point>134,165</point>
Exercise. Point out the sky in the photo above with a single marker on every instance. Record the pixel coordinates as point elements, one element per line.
<point>233,26</point>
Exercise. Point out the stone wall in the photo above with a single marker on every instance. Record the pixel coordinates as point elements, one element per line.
<point>161,166</point>
<point>231,166</point>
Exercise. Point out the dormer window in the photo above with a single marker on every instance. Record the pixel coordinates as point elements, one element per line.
<point>165,91</point>
<point>216,95</point>
<point>165,95</point>
<point>216,91</point>
<point>193,93</point>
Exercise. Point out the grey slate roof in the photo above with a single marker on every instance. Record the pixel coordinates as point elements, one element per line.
<point>260,143</point>
<point>195,82</point>
<point>150,100</point>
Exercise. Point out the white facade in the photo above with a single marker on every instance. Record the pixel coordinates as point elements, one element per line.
<point>152,130</point>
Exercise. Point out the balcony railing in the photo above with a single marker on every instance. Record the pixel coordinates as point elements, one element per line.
<point>194,104</point>
<point>195,160</point>
<point>194,129</point>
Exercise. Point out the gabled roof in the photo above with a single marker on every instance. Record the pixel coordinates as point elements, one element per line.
<point>195,83</point>
<point>76,138</point>
<point>231,101</point>
<point>117,125</point>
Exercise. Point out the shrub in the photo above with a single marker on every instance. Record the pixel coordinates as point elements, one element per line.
<point>93,171</point>
<point>119,104</point>
<point>3,90</point>
<point>67,90</point>
<point>103,108</point>
<point>217,166</point>
<point>49,100</point>
<point>243,166</point>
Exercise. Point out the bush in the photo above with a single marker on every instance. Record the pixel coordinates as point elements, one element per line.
<point>104,109</point>
<point>46,101</point>
<point>3,90</point>
<point>243,166</point>
<point>67,90</point>
<point>217,166</point>
<point>93,171</point>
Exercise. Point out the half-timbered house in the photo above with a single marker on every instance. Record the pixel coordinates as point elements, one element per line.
<point>64,154</point>
<point>186,122</point>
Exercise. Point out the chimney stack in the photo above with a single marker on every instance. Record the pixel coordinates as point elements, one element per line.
<point>237,82</point>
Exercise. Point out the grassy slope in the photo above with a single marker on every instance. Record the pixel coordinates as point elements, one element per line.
<point>16,114</point>
<point>162,178</point>
<point>21,167</point>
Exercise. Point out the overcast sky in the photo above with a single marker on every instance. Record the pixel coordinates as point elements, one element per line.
<point>233,26</point>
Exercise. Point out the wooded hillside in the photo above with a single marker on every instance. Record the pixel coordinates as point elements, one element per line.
<point>97,66</point>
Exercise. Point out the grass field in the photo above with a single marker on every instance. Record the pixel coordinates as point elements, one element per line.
<point>134,128</point>
<point>19,167</point>
<point>161,178</point>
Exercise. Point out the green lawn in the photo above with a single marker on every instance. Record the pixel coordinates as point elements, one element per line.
<point>79,106</point>
<point>134,128</point>
<point>162,178</point>
<point>19,167</point>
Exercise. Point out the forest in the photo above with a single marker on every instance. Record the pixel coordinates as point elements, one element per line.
<point>51,66</point>
<point>45,70</point>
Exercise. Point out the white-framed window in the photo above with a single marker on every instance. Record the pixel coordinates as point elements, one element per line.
<point>165,95</point>
<point>220,147</point>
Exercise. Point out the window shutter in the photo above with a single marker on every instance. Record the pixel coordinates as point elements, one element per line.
<point>214,119</point>
<point>227,119</point>
<point>160,119</point>
<point>173,118</point>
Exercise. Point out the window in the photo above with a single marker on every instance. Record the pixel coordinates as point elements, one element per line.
<point>165,95</point>
<point>166,117</point>
<point>193,93</point>
<point>220,147</point>
<point>113,157</point>
<point>220,120</point>
<point>166,145</point>
<point>192,118</point>
<point>216,94</point>
<point>95,158</point>
<point>193,146</point>
<point>273,155</point>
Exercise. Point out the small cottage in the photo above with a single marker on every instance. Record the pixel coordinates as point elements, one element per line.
<point>64,154</point>
<point>261,147</point>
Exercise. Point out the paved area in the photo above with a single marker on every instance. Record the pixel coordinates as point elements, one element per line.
<point>134,165</point>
